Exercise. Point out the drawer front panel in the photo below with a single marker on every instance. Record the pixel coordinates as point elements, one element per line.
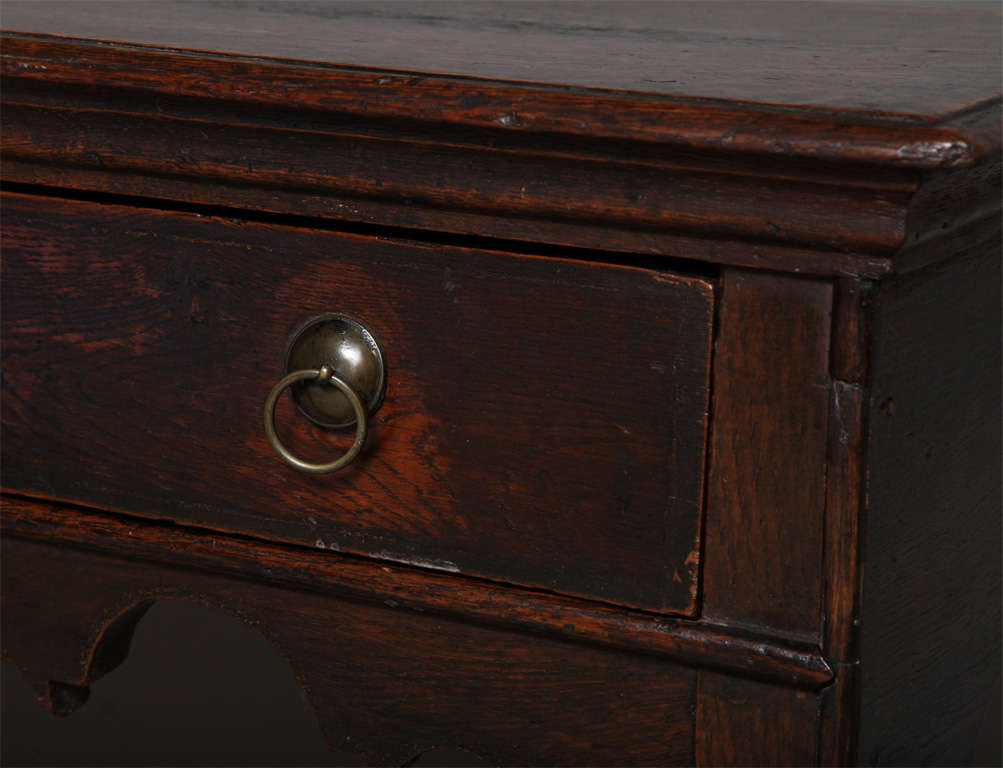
<point>544,419</point>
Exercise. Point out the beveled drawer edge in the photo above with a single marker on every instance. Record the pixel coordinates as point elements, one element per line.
<point>400,587</point>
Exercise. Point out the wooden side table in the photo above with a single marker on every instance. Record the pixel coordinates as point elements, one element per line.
<point>573,384</point>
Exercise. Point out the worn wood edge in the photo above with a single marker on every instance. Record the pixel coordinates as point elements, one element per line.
<point>847,215</point>
<point>69,629</point>
<point>147,191</point>
<point>850,330</point>
<point>108,648</point>
<point>57,697</point>
<point>844,493</point>
<point>399,587</point>
<point>980,123</point>
<point>902,140</point>
<point>697,281</point>
<point>866,247</point>
<point>124,103</point>
<point>839,707</point>
<point>846,469</point>
<point>913,250</point>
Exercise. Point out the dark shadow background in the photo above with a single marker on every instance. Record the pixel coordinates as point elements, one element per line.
<point>198,688</point>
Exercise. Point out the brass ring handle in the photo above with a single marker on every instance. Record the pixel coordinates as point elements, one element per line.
<point>322,375</point>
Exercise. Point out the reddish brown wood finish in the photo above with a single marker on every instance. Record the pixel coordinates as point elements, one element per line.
<point>844,494</point>
<point>850,331</point>
<point>747,723</point>
<point>839,715</point>
<point>389,679</point>
<point>330,210</point>
<point>385,682</point>
<point>636,47</point>
<point>847,148</point>
<point>656,192</point>
<point>773,52</point>
<point>766,485</point>
<point>413,589</point>
<point>544,419</point>
<point>846,473</point>
<point>818,191</point>
<point>842,593</point>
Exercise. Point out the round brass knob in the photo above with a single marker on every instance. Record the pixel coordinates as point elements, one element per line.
<point>335,371</point>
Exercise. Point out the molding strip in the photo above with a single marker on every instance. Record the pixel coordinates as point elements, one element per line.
<point>402,587</point>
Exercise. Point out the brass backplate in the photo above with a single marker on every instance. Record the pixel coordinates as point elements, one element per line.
<point>351,351</point>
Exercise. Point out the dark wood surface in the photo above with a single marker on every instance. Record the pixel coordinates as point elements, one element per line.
<point>766,484</point>
<point>392,681</point>
<point>567,225</point>
<point>748,723</point>
<point>839,718</point>
<point>510,109</point>
<point>920,60</point>
<point>544,420</point>
<point>387,683</point>
<point>802,214</point>
<point>845,485</point>
<point>930,646</point>
<point>846,469</point>
<point>736,175</point>
<point>700,644</point>
<point>317,150</point>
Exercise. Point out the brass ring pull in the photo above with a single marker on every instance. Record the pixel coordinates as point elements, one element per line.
<point>323,375</point>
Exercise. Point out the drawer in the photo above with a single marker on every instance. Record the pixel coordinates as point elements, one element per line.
<point>544,419</point>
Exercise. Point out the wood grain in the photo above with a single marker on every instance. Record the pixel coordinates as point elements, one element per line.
<point>440,169</point>
<point>839,718</point>
<point>845,487</point>
<point>328,211</point>
<point>851,314</point>
<point>846,468</point>
<point>917,59</point>
<point>544,421</point>
<point>730,172</point>
<point>766,484</point>
<point>930,645</point>
<point>808,190</point>
<point>514,108</point>
<point>413,589</point>
<point>696,644</point>
<point>565,183</point>
<point>511,697</point>
<point>496,572</point>
<point>747,723</point>
<point>387,683</point>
